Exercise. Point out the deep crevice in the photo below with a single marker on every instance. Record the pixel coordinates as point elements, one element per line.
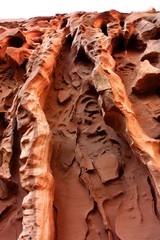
<point>157,36</point>
<point>119,44</point>
<point>16,42</point>
<point>104,29</point>
<point>69,40</point>
<point>158,92</point>
<point>83,58</point>
<point>136,44</point>
<point>14,165</point>
<point>6,211</point>
<point>154,198</point>
<point>64,23</point>
<point>122,23</point>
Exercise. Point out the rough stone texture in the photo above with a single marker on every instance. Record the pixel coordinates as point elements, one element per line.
<point>80,127</point>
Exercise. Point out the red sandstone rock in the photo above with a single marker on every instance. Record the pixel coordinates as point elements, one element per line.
<point>80,127</point>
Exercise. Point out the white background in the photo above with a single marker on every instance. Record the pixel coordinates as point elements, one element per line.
<point>32,8</point>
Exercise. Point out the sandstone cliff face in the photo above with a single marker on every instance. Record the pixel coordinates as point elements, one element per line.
<point>80,127</point>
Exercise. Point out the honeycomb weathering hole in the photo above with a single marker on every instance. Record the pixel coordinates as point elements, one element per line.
<point>16,42</point>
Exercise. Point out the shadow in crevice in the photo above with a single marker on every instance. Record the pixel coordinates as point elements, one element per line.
<point>16,42</point>
<point>83,58</point>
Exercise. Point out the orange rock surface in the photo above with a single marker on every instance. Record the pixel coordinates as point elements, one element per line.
<point>80,127</point>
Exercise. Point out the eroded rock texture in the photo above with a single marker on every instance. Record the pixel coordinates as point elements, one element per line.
<point>80,127</point>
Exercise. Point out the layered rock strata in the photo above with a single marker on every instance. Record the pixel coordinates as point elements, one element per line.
<point>80,127</point>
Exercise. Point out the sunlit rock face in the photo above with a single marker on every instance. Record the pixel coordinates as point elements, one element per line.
<point>80,127</point>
